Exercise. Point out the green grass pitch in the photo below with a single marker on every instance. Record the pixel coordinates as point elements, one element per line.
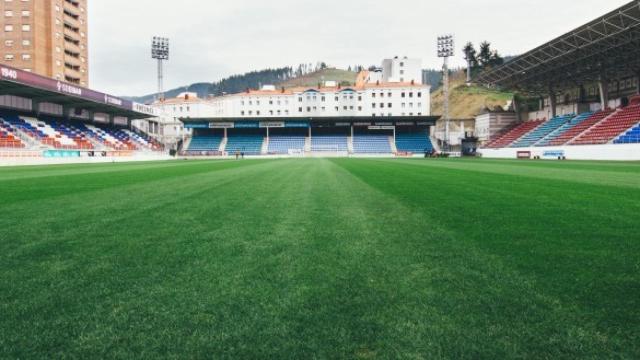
<point>303,259</point>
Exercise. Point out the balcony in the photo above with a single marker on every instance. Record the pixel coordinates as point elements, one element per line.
<point>70,21</point>
<point>74,74</point>
<point>72,48</point>
<point>72,9</point>
<point>71,34</point>
<point>73,61</point>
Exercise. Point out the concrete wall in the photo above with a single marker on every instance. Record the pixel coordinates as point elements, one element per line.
<point>488,125</point>
<point>621,152</point>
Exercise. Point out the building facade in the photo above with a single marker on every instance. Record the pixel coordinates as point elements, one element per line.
<point>47,37</point>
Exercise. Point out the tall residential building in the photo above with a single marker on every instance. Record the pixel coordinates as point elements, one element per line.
<point>47,37</point>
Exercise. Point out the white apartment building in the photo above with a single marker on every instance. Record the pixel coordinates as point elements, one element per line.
<point>402,70</point>
<point>379,93</point>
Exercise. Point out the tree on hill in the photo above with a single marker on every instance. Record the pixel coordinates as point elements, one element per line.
<point>485,58</point>
<point>470,54</point>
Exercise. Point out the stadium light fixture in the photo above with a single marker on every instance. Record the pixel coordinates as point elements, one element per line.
<point>160,52</point>
<point>446,48</point>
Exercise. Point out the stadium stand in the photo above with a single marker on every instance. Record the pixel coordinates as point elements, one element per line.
<point>415,142</point>
<point>563,129</point>
<point>371,144</point>
<point>611,127</point>
<point>247,144</point>
<point>579,128</point>
<point>205,143</point>
<point>515,134</point>
<point>542,131</point>
<point>630,137</point>
<point>329,143</point>
<point>281,145</point>
<point>7,138</point>
<point>60,135</point>
<point>143,141</point>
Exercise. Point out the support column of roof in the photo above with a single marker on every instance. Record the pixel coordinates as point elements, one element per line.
<point>603,85</point>
<point>553,101</point>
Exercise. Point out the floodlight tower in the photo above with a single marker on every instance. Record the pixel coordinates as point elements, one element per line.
<point>446,50</point>
<point>160,52</point>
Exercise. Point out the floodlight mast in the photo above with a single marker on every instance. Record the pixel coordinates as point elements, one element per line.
<point>446,50</point>
<point>160,52</point>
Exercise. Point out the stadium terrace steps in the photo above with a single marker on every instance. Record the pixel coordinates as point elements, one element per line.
<point>515,134</point>
<point>611,127</point>
<point>38,133</point>
<point>563,129</point>
<point>413,142</point>
<point>329,143</point>
<point>8,139</point>
<point>371,144</point>
<point>579,128</point>
<point>630,137</point>
<point>541,131</point>
<point>143,142</point>
<point>247,144</point>
<point>282,145</point>
<point>205,143</point>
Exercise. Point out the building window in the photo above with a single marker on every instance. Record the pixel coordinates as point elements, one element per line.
<point>373,105</point>
<point>410,94</point>
<point>26,57</point>
<point>381,105</point>
<point>8,13</point>
<point>403,95</point>
<point>373,95</point>
<point>8,28</point>
<point>419,94</point>
<point>389,105</point>
<point>299,109</point>
<point>8,57</point>
<point>8,43</point>
<point>26,28</point>
<point>26,13</point>
<point>26,42</point>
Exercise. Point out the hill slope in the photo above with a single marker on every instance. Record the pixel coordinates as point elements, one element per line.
<point>317,77</point>
<point>467,101</point>
<point>232,84</point>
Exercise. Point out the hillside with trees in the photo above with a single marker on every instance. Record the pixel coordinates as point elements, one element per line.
<point>466,102</point>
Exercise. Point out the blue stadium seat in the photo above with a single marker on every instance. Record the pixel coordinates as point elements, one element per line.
<point>630,137</point>
<point>415,142</point>
<point>542,131</point>
<point>282,144</point>
<point>247,144</point>
<point>329,143</point>
<point>563,129</point>
<point>205,143</point>
<point>371,144</point>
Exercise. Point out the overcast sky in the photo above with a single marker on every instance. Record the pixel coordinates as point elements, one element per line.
<point>211,39</point>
